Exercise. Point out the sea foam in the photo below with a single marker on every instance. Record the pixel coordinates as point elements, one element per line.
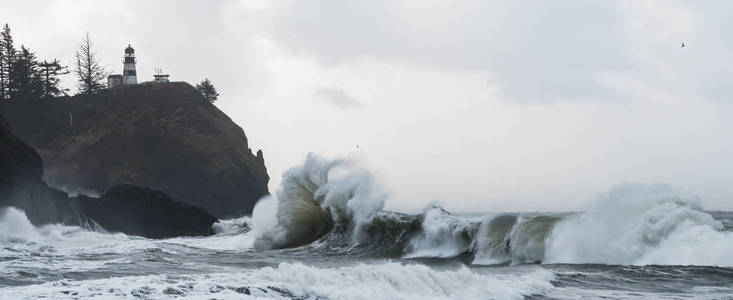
<point>287,280</point>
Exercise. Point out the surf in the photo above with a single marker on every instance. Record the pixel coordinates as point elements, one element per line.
<point>336,207</point>
<point>327,205</point>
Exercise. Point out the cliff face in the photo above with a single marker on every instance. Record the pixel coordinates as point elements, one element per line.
<point>124,208</point>
<point>163,136</point>
<point>19,162</point>
<point>20,180</point>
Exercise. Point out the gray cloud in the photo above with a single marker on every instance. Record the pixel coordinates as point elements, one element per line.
<point>548,52</point>
<point>545,51</point>
<point>339,98</point>
<point>580,95</point>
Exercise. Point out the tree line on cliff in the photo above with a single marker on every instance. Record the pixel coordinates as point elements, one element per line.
<point>22,76</point>
<point>25,78</point>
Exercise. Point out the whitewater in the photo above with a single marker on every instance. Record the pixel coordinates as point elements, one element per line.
<point>326,235</point>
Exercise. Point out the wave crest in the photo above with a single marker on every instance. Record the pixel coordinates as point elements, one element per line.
<point>315,197</point>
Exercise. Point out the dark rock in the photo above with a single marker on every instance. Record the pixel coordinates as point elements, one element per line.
<point>19,163</point>
<point>124,208</point>
<point>21,170</point>
<point>164,136</point>
<point>243,290</point>
<point>145,212</point>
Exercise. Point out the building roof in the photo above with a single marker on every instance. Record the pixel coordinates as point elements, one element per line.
<point>114,76</point>
<point>129,49</point>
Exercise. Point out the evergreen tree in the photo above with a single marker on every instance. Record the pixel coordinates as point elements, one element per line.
<point>89,70</point>
<point>207,89</point>
<point>2,73</point>
<point>50,81</point>
<point>25,79</point>
<point>7,59</point>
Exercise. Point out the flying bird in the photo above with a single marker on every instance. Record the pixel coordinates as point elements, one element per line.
<point>683,45</point>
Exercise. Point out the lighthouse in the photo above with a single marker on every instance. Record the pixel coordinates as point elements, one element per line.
<point>129,75</point>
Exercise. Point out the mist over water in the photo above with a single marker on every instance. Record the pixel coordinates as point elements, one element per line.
<point>324,233</point>
<point>642,224</point>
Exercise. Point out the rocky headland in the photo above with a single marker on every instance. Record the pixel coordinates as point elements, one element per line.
<point>162,136</point>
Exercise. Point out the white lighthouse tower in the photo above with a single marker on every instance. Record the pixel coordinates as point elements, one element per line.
<point>129,75</point>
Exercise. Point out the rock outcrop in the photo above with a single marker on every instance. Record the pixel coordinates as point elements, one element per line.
<point>124,208</point>
<point>21,170</point>
<point>144,212</point>
<point>164,136</point>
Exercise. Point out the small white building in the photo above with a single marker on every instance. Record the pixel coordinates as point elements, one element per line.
<point>114,80</point>
<point>159,76</point>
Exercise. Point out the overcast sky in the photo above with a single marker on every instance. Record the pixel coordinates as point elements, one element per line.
<point>478,105</point>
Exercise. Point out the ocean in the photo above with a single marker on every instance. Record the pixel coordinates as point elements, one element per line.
<point>325,235</point>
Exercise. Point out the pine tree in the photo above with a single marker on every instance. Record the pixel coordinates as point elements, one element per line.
<point>8,58</point>
<point>207,89</point>
<point>50,81</point>
<point>25,79</point>
<point>2,73</point>
<point>89,70</point>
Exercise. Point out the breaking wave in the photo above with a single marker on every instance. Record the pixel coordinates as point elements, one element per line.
<point>642,224</point>
<point>336,205</point>
<point>313,199</point>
